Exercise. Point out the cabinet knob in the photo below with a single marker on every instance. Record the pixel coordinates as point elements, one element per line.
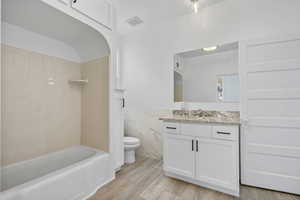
<point>74,1</point>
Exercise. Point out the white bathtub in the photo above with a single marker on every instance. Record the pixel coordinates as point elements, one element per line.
<point>73,174</point>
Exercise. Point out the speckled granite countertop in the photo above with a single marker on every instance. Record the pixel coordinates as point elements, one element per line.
<point>201,116</point>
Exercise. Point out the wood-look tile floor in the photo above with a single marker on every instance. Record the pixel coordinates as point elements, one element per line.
<point>145,180</point>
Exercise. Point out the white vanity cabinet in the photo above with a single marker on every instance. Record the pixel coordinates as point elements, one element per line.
<point>203,154</point>
<point>98,10</point>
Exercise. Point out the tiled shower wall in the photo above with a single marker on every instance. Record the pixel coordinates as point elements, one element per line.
<point>95,104</point>
<point>42,111</point>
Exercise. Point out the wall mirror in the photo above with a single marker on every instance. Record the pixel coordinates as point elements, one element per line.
<point>207,75</point>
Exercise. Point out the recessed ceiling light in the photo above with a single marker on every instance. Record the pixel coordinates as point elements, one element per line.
<point>195,4</point>
<point>212,48</point>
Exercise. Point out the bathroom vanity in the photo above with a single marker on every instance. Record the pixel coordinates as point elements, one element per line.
<point>260,79</point>
<point>203,150</point>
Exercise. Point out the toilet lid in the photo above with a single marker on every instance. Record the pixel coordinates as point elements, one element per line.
<point>131,140</point>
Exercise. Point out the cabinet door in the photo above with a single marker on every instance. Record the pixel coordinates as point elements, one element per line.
<point>98,10</point>
<point>217,163</point>
<point>179,155</point>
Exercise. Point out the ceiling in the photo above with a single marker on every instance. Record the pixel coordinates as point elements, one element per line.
<point>36,16</point>
<point>153,11</point>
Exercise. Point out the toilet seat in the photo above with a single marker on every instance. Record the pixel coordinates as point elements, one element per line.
<point>131,141</point>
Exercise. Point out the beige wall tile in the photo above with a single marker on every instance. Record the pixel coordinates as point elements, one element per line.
<point>95,104</point>
<point>38,118</point>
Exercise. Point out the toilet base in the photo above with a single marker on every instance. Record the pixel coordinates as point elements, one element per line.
<point>129,156</point>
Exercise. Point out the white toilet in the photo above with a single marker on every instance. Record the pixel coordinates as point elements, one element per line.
<point>130,145</point>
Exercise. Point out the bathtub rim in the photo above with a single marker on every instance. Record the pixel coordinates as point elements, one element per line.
<point>56,173</point>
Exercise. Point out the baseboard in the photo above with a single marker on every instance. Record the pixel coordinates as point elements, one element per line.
<point>203,184</point>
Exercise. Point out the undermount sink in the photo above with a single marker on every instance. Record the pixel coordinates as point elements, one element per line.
<point>201,113</point>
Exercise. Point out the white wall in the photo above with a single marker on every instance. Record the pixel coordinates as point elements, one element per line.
<point>200,75</point>
<point>147,55</point>
<point>21,38</point>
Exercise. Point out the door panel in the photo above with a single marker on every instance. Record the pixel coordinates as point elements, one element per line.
<point>179,156</point>
<point>217,163</point>
<point>265,79</point>
<point>284,108</point>
<point>274,136</point>
<point>282,165</point>
<point>273,50</point>
<point>270,71</point>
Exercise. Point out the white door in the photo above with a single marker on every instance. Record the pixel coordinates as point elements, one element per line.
<point>118,128</point>
<point>217,163</point>
<point>270,70</point>
<point>98,10</point>
<point>179,155</point>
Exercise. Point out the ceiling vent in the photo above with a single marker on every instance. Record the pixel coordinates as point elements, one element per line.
<point>134,21</point>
